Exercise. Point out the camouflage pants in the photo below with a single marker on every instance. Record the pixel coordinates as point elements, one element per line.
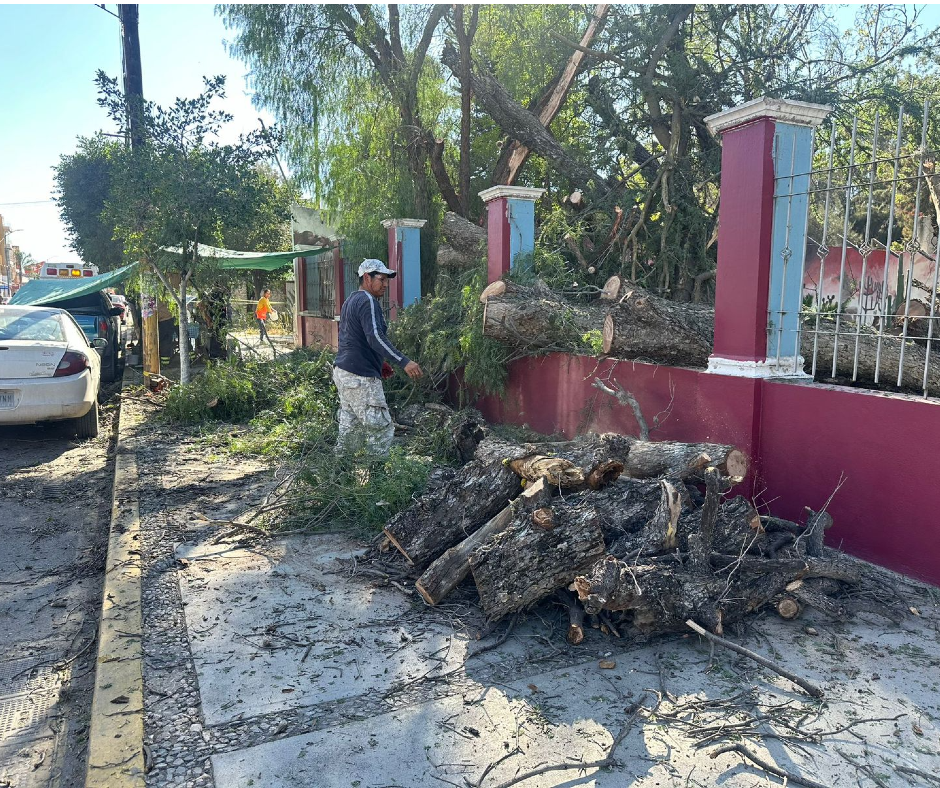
<point>363,413</point>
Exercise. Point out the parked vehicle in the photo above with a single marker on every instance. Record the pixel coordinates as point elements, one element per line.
<point>98,317</point>
<point>49,370</point>
<point>121,301</point>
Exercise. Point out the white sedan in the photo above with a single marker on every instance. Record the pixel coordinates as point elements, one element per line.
<point>48,369</point>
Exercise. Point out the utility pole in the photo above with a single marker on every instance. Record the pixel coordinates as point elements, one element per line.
<point>134,99</point>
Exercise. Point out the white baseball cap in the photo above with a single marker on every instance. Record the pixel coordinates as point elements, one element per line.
<point>372,266</point>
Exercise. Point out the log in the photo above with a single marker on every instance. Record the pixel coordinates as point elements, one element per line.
<point>657,596</point>
<point>641,326</point>
<point>534,318</point>
<point>675,460</point>
<point>651,329</point>
<point>575,634</point>
<point>788,608</point>
<point>462,243</point>
<point>597,457</point>
<point>448,514</point>
<point>448,571</point>
<point>524,564</point>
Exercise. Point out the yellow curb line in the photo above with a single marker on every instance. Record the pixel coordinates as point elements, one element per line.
<point>116,736</point>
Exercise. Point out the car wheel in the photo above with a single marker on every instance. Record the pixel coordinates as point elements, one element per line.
<point>109,371</point>
<point>87,425</point>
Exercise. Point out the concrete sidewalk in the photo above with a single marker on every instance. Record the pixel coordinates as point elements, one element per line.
<point>286,663</point>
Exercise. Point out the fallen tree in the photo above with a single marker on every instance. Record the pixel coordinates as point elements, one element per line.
<point>638,325</point>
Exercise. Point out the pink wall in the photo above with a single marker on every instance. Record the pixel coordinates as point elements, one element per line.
<point>800,437</point>
<point>319,332</point>
<point>888,509</point>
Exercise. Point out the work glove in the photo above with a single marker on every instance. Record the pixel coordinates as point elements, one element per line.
<point>387,370</point>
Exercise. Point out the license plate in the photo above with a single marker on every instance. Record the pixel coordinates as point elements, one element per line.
<point>6,399</point>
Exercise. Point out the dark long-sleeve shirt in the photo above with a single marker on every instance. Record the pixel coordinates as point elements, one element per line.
<point>363,343</point>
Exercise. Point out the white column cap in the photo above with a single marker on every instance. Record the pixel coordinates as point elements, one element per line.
<point>799,113</point>
<point>516,192</point>
<point>419,223</point>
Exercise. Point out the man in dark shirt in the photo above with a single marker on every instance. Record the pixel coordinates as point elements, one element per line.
<point>357,371</point>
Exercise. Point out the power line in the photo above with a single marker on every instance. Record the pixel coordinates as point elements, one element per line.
<point>27,202</point>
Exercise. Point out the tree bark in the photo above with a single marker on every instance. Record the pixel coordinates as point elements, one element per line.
<point>522,125</point>
<point>440,519</point>
<point>448,571</point>
<point>642,326</point>
<point>526,563</point>
<point>463,243</point>
<point>647,328</point>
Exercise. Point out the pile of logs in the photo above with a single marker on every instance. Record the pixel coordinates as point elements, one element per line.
<point>645,534</point>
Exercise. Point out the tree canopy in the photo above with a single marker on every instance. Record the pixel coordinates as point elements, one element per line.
<point>412,110</point>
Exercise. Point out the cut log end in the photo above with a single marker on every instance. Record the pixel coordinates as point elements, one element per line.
<point>604,473</point>
<point>575,634</point>
<point>788,608</point>
<point>425,594</point>
<point>611,290</point>
<point>736,464</point>
<point>493,289</point>
<point>544,518</point>
<point>608,334</point>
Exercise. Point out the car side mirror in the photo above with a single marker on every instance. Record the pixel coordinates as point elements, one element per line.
<point>115,311</point>
<point>99,343</point>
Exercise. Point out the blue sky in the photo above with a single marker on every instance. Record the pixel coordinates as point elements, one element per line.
<point>48,61</point>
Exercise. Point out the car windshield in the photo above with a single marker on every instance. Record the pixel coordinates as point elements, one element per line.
<point>36,326</point>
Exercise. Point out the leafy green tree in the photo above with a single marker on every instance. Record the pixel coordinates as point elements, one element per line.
<point>83,185</point>
<point>182,188</point>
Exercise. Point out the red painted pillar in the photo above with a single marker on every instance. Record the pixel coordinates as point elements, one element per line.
<point>300,300</point>
<point>395,263</point>
<point>745,230</point>
<point>745,226</point>
<point>510,226</point>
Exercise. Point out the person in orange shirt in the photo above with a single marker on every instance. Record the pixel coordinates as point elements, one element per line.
<point>262,310</point>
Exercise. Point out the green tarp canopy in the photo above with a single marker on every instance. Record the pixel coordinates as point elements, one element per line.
<point>259,261</point>
<point>47,291</point>
<point>37,292</point>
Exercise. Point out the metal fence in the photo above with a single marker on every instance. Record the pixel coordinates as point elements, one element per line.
<point>869,269</point>
<point>321,287</point>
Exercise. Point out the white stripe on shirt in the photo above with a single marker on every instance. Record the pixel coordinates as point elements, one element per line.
<point>378,335</point>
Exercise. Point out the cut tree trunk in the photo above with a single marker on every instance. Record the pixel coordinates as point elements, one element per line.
<point>534,318</point>
<point>447,515</point>
<point>597,459</point>
<point>462,243</point>
<point>647,328</point>
<point>657,596</point>
<point>448,571</point>
<point>676,460</point>
<point>526,563</point>
<point>640,326</point>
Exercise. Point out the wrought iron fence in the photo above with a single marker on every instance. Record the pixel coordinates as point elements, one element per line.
<point>869,269</point>
<point>320,286</point>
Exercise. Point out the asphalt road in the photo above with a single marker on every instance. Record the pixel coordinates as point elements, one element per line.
<point>55,495</point>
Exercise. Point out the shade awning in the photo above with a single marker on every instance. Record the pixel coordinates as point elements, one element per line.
<point>230,259</point>
<point>37,292</point>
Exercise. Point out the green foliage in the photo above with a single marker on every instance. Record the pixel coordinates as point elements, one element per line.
<point>83,187</point>
<point>286,411</point>
<point>182,187</point>
<point>357,492</point>
<point>444,333</point>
